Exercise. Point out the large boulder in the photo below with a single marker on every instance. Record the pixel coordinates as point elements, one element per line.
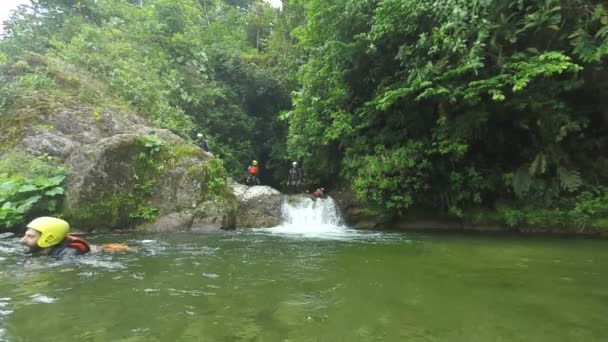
<point>122,173</point>
<point>128,179</point>
<point>258,206</point>
<point>209,216</point>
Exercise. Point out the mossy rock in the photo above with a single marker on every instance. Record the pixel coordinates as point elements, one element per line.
<point>112,181</point>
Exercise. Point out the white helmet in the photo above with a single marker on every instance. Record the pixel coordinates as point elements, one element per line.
<point>295,163</point>
<point>200,135</point>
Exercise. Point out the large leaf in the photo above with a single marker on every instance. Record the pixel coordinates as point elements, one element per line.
<point>27,188</point>
<point>570,180</point>
<point>54,191</point>
<point>28,204</point>
<point>56,180</point>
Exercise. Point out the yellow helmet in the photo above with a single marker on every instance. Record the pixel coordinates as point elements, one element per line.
<point>52,230</point>
<point>255,162</point>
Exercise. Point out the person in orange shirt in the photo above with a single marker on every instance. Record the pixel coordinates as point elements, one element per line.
<point>252,174</point>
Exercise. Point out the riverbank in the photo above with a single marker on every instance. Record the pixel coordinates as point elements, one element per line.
<point>503,219</point>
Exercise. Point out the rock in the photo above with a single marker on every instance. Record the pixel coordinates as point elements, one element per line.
<point>121,172</point>
<point>213,216</point>
<point>111,176</point>
<point>60,133</point>
<point>358,215</point>
<point>170,223</point>
<point>258,206</point>
<point>48,143</point>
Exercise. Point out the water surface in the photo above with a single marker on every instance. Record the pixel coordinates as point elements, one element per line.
<point>268,285</point>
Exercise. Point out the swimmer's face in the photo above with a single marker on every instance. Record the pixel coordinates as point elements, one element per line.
<point>30,240</point>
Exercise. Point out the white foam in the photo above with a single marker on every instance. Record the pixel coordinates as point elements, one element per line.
<point>312,218</point>
<point>40,298</point>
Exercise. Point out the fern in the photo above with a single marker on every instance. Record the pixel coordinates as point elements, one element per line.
<point>522,180</point>
<point>570,180</point>
<point>538,165</point>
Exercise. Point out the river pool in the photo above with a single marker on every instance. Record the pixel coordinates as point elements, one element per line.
<point>268,285</point>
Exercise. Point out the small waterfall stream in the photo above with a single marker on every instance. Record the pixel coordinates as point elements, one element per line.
<point>316,218</point>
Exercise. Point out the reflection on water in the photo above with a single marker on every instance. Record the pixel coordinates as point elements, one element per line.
<point>265,286</point>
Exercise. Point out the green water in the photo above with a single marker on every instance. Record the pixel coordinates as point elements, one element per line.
<point>247,286</point>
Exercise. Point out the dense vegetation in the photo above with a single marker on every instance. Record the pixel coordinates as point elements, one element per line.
<point>452,105</point>
<point>483,110</point>
<point>188,66</point>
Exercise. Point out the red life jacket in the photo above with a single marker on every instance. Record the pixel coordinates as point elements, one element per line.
<point>78,244</point>
<point>253,170</point>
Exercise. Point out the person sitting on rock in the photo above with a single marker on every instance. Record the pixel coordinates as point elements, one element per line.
<point>50,236</point>
<point>201,142</point>
<point>319,192</point>
<point>294,180</point>
<point>252,174</point>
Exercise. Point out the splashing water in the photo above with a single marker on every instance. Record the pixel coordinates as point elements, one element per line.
<point>312,218</point>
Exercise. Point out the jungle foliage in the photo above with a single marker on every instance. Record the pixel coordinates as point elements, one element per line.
<point>28,186</point>
<point>457,104</point>
<point>457,107</point>
<point>186,65</point>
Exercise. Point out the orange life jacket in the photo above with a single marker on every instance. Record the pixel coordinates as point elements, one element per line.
<point>253,170</point>
<point>78,244</point>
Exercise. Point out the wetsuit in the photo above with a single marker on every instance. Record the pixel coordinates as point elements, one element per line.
<point>295,178</point>
<point>71,246</point>
<point>202,143</point>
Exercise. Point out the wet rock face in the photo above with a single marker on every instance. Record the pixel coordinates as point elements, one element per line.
<point>258,206</point>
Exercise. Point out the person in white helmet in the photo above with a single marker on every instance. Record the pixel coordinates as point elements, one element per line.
<point>201,142</point>
<point>295,178</point>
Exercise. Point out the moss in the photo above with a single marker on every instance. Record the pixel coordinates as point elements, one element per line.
<point>96,115</point>
<point>35,85</point>
<point>194,170</point>
<point>215,181</point>
<point>131,206</point>
<point>19,164</point>
<point>181,151</point>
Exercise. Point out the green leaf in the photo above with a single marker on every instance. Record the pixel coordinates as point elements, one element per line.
<point>54,191</point>
<point>28,204</point>
<point>51,206</point>
<point>570,180</point>
<point>56,180</point>
<point>27,188</point>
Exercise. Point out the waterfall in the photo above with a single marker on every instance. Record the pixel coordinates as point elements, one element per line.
<point>305,212</point>
<point>308,217</point>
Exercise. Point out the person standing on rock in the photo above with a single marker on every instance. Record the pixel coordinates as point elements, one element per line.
<point>50,236</point>
<point>295,178</point>
<point>201,142</point>
<point>252,174</point>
